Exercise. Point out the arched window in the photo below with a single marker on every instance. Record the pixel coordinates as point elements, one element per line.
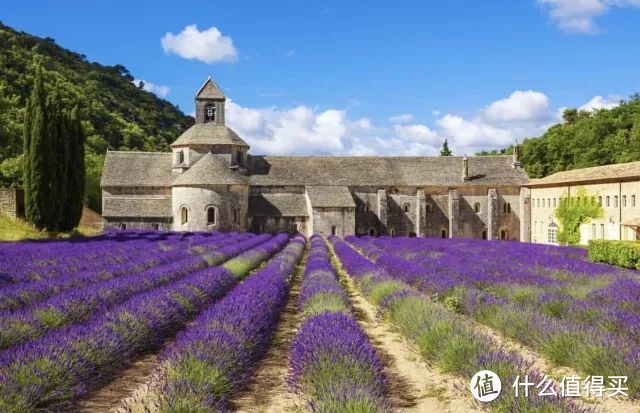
<point>429,208</point>
<point>123,226</point>
<point>294,227</point>
<point>506,207</point>
<point>444,233</point>
<point>211,216</point>
<point>372,232</point>
<point>235,215</point>
<point>184,215</point>
<point>476,207</point>
<point>209,113</point>
<point>367,208</point>
<point>504,235</point>
<point>392,232</point>
<point>180,159</point>
<point>156,227</point>
<point>407,207</point>
<point>484,234</point>
<point>334,230</point>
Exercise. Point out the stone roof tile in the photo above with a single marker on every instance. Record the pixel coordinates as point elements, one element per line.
<point>137,169</point>
<point>210,170</point>
<point>330,196</point>
<point>278,205</point>
<point>210,133</point>
<point>128,207</point>
<point>597,173</point>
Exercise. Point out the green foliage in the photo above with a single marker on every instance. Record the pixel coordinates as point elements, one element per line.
<point>115,113</point>
<point>621,253</point>
<point>602,137</point>
<point>572,212</point>
<point>445,151</point>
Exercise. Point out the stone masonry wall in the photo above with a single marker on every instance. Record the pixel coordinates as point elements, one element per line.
<point>12,202</point>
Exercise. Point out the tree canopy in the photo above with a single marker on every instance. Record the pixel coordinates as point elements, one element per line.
<point>115,113</point>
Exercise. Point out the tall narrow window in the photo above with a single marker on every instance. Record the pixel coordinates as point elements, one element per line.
<point>392,232</point>
<point>367,208</point>
<point>633,200</point>
<point>601,231</point>
<point>334,230</point>
<point>600,200</point>
<point>294,227</point>
<point>209,113</point>
<point>476,207</point>
<point>235,215</point>
<point>180,157</point>
<point>593,231</point>
<point>406,207</point>
<point>624,201</point>
<point>504,235</point>
<point>553,235</point>
<point>156,227</point>
<point>444,233</point>
<point>484,234</point>
<point>608,201</point>
<point>184,215</point>
<point>615,201</point>
<point>211,216</point>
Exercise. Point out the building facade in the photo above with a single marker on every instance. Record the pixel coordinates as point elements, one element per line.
<point>210,182</point>
<point>614,187</point>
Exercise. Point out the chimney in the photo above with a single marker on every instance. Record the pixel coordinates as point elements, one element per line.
<point>516,164</point>
<point>465,169</point>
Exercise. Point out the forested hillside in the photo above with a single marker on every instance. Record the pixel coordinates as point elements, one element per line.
<point>584,139</point>
<point>116,113</point>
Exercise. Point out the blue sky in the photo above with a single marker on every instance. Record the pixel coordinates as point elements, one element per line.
<point>375,77</point>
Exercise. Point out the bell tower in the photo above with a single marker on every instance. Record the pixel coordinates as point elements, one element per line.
<point>210,103</point>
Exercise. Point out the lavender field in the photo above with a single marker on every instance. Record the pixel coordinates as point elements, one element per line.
<point>202,322</point>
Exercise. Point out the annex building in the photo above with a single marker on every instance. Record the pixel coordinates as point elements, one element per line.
<point>210,182</point>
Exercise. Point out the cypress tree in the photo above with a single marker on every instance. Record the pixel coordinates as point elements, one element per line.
<point>39,167</point>
<point>26,150</point>
<point>59,127</point>
<point>75,172</point>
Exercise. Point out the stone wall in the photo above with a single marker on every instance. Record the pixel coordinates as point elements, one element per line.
<point>276,225</point>
<point>12,202</point>
<point>230,203</point>
<point>334,221</point>
<point>153,224</point>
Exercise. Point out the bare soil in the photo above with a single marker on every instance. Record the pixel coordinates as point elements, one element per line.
<point>415,386</point>
<point>268,391</point>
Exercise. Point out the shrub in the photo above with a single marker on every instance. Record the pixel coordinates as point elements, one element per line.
<point>621,253</point>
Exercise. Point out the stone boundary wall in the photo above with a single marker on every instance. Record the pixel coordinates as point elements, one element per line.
<point>12,202</point>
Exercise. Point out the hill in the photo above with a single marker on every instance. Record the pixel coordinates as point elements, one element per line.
<point>117,114</point>
<point>584,139</point>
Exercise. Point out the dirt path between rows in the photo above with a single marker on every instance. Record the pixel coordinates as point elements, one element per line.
<point>415,386</point>
<point>123,384</point>
<point>268,391</point>
<point>539,362</point>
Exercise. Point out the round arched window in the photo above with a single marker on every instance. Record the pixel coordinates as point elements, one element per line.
<point>209,113</point>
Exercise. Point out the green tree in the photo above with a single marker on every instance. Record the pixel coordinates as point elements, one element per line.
<point>574,211</point>
<point>40,169</point>
<point>445,151</point>
<point>75,173</point>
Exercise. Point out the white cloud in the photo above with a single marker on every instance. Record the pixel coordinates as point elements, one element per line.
<point>209,45</point>
<point>416,133</point>
<point>599,102</point>
<point>306,130</point>
<point>159,90</point>
<point>578,15</point>
<point>404,118</point>
<point>519,106</point>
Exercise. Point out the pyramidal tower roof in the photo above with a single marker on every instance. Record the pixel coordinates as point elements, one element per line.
<point>210,90</point>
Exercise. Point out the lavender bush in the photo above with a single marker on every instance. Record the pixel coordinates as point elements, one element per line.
<point>332,363</point>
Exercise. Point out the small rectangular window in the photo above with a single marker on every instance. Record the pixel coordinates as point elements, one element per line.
<point>633,200</point>
<point>593,231</point>
<point>615,201</point>
<point>553,236</point>
<point>600,200</point>
<point>608,201</point>
<point>624,201</point>
<point>554,202</point>
<point>601,231</point>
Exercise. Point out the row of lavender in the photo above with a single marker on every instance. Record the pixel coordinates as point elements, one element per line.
<point>332,363</point>
<point>52,371</point>
<point>442,336</point>
<point>76,305</point>
<point>216,355</point>
<point>35,260</point>
<point>595,331</point>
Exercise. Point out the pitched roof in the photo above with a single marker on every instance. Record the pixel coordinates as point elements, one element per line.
<point>137,169</point>
<point>279,204</point>
<point>383,171</point>
<point>146,207</point>
<point>597,173</point>
<point>330,196</point>
<point>210,170</point>
<point>209,90</point>
<point>210,133</point>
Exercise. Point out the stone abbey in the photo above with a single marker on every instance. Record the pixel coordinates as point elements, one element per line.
<point>210,182</point>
